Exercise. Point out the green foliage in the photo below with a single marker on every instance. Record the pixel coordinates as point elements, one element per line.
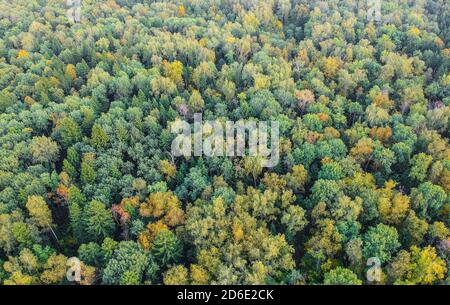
<point>427,199</point>
<point>70,132</point>
<point>99,138</point>
<point>380,241</point>
<point>341,276</point>
<point>86,165</point>
<point>166,248</point>
<point>127,265</point>
<point>98,222</point>
<point>420,165</point>
<point>39,211</point>
<point>44,150</point>
<point>88,174</point>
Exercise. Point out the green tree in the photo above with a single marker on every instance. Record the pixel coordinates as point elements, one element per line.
<point>341,276</point>
<point>99,138</point>
<point>380,241</point>
<point>166,247</point>
<point>428,199</point>
<point>44,150</point>
<point>127,265</point>
<point>420,164</point>
<point>98,221</point>
<point>70,132</point>
<point>39,211</point>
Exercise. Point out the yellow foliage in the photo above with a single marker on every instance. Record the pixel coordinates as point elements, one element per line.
<point>230,39</point>
<point>261,81</point>
<point>285,146</point>
<point>168,169</point>
<point>71,72</point>
<point>163,204</point>
<point>155,228</point>
<point>362,150</point>
<point>176,275</point>
<point>27,41</point>
<point>331,66</point>
<point>274,182</point>
<point>181,10</point>
<point>297,179</point>
<point>382,100</point>
<point>446,81</point>
<point>349,53</point>
<point>427,266</point>
<point>174,71</point>
<point>202,42</point>
<point>22,53</point>
<point>199,275</point>
<point>414,31</point>
<point>381,133</point>
<point>88,274</point>
<point>29,100</point>
<point>331,132</point>
<point>279,25</point>
<point>55,269</point>
<point>238,233</point>
<point>18,278</point>
<point>250,22</point>
<point>144,241</point>
<point>147,237</point>
<point>393,211</point>
<point>438,41</point>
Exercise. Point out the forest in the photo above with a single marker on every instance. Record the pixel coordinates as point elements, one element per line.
<point>88,183</point>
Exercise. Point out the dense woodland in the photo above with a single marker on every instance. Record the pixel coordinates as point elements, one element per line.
<point>85,145</point>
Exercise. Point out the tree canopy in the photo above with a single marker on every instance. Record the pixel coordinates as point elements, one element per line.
<point>86,168</point>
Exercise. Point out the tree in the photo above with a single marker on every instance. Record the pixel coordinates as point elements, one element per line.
<point>417,266</point>
<point>196,102</point>
<point>393,206</point>
<point>294,219</point>
<point>88,174</point>
<point>380,241</point>
<point>76,220</point>
<point>87,169</point>
<point>413,230</point>
<point>44,150</point>
<point>176,275</point>
<point>341,276</point>
<point>199,276</point>
<point>298,178</point>
<point>70,132</point>
<point>331,171</point>
<point>98,221</point>
<point>99,138</point>
<point>39,211</point>
<point>54,270</point>
<point>428,267</point>
<point>127,265</point>
<point>427,199</point>
<point>166,247</point>
<point>168,169</point>
<point>71,163</point>
<point>174,70</point>
<point>420,164</point>
<point>164,205</point>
